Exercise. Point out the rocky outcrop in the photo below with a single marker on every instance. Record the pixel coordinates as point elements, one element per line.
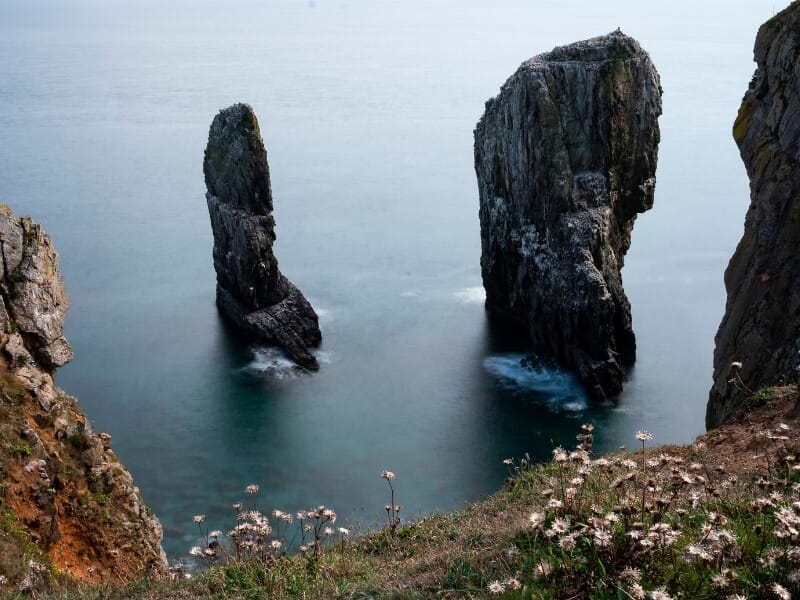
<point>565,157</point>
<point>251,290</point>
<point>60,482</point>
<point>758,343</point>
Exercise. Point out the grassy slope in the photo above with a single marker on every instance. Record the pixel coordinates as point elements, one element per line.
<point>712,520</point>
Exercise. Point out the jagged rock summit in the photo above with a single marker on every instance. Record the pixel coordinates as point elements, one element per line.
<point>565,157</point>
<point>60,482</point>
<point>251,290</point>
<point>758,343</point>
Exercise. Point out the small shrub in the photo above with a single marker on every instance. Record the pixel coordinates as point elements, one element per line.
<point>762,397</point>
<point>78,440</point>
<point>20,449</point>
<point>16,276</point>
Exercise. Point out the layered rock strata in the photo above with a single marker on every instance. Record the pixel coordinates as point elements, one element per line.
<point>60,482</point>
<point>565,157</point>
<point>251,290</point>
<point>757,343</point>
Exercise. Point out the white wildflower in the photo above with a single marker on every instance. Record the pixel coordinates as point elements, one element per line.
<point>536,519</point>
<point>543,569</point>
<point>496,587</point>
<point>512,583</point>
<point>781,592</point>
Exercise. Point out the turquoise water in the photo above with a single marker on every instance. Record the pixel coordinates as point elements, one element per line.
<point>367,109</point>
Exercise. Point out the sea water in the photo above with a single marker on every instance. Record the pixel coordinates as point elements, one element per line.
<point>367,109</point>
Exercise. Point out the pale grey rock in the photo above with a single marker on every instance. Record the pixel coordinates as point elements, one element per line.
<point>34,300</point>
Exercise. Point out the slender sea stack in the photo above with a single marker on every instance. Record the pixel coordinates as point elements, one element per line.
<point>251,290</point>
<point>759,338</point>
<point>566,157</point>
<point>60,481</point>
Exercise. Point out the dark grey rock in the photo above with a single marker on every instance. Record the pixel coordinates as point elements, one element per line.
<point>565,157</point>
<point>251,291</point>
<point>762,317</point>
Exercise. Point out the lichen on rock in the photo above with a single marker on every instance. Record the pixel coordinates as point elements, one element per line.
<point>251,291</point>
<point>757,343</point>
<point>565,158</point>
<point>60,482</point>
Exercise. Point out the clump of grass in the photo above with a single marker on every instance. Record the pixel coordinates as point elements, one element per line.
<point>762,397</point>
<point>656,526</point>
<point>21,560</point>
<point>19,449</point>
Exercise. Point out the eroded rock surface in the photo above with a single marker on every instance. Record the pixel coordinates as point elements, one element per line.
<point>251,290</point>
<point>566,157</point>
<point>762,317</point>
<point>59,479</point>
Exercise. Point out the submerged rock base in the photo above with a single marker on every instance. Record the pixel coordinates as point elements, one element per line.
<point>565,157</point>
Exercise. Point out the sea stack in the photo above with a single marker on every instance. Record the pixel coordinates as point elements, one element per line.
<point>566,158</point>
<point>757,343</point>
<point>251,291</point>
<point>62,488</point>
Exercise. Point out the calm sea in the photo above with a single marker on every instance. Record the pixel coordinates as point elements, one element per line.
<point>367,109</point>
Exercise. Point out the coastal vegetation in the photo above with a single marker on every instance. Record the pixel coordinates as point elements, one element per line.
<point>719,518</point>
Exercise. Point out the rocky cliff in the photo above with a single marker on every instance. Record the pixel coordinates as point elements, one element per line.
<point>251,290</point>
<point>565,157</point>
<point>758,343</point>
<point>64,496</point>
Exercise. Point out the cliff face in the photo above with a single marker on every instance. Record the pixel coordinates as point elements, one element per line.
<point>63,493</point>
<point>251,290</point>
<point>762,315</point>
<point>565,157</point>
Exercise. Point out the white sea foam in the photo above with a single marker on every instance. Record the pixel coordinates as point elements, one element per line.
<point>410,294</point>
<point>324,357</point>
<point>324,315</point>
<point>558,389</point>
<point>272,362</point>
<point>471,295</point>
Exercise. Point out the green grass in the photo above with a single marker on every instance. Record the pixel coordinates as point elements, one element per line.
<point>19,449</point>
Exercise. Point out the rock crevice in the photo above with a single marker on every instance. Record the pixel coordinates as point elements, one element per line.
<point>251,291</point>
<point>565,158</point>
<point>757,343</point>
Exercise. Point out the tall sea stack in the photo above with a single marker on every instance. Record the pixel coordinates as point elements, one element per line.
<point>759,338</point>
<point>566,157</point>
<point>251,290</point>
